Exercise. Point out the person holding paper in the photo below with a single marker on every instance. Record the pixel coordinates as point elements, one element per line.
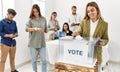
<point>74,19</point>
<point>53,26</point>
<point>93,26</point>
<point>66,31</point>
<point>8,32</point>
<point>37,26</point>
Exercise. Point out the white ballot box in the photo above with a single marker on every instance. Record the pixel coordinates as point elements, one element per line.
<point>77,52</point>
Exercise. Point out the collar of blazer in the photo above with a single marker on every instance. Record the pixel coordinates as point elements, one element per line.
<point>97,27</point>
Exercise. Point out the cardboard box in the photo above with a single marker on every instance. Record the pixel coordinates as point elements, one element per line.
<point>63,67</point>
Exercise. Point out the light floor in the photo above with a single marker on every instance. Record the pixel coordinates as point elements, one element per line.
<point>112,67</point>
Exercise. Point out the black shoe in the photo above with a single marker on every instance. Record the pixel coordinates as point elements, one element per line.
<point>14,71</point>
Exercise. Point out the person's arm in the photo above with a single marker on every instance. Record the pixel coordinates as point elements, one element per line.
<point>16,31</point>
<point>80,29</point>
<point>3,34</point>
<point>10,35</point>
<point>72,24</point>
<point>29,27</point>
<point>105,38</point>
<point>45,29</point>
<point>76,24</point>
<point>49,27</point>
<point>52,28</point>
<point>57,26</point>
<point>15,34</point>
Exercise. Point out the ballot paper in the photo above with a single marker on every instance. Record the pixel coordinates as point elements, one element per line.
<point>78,37</point>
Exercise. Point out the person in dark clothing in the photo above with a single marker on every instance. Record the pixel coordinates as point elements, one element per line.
<point>8,31</point>
<point>66,31</point>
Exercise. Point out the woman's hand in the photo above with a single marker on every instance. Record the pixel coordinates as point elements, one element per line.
<point>63,35</point>
<point>75,33</point>
<point>72,24</point>
<point>31,29</point>
<point>101,42</point>
<point>40,29</point>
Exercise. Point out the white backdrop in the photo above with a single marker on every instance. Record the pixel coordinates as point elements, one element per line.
<point>110,13</point>
<point>109,10</point>
<point>23,8</point>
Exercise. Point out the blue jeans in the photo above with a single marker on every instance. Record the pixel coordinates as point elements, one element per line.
<point>99,68</point>
<point>42,52</point>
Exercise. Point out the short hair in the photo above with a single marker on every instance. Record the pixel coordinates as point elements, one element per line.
<point>11,11</point>
<point>74,7</point>
<point>54,13</point>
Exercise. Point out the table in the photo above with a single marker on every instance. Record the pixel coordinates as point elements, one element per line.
<point>52,48</point>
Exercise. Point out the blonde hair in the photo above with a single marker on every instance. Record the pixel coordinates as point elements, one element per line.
<point>52,14</point>
<point>93,4</point>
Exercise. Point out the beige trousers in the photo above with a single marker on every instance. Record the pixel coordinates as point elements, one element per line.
<point>4,52</point>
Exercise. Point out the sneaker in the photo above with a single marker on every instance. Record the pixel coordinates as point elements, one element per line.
<point>14,71</point>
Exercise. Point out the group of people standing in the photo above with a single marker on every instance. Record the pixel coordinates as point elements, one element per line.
<point>68,27</point>
<point>92,25</point>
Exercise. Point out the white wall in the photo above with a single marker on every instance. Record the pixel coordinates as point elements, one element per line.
<point>110,13</point>
<point>109,10</point>
<point>23,8</point>
<point>10,4</point>
<point>1,9</point>
<point>49,7</point>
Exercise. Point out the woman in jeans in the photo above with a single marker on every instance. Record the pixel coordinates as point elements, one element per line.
<point>36,26</point>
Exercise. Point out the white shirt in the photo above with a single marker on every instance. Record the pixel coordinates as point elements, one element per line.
<point>74,19</point>
<point>93,26</point>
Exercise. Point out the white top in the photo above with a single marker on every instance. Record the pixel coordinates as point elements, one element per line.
<point>74,19</point>
<point>93,26</point>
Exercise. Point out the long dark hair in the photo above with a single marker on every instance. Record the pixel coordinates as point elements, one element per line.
<point>67,26</point>
<point>35,6</point>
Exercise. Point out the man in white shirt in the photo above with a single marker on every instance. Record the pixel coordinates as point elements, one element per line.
<point>74,19</point>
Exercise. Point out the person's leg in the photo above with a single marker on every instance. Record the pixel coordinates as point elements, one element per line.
<point>33,56</point>
<point>12,57</point>
<point>99,68</point>
<point>43,59</point>
<point>4,53</point>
